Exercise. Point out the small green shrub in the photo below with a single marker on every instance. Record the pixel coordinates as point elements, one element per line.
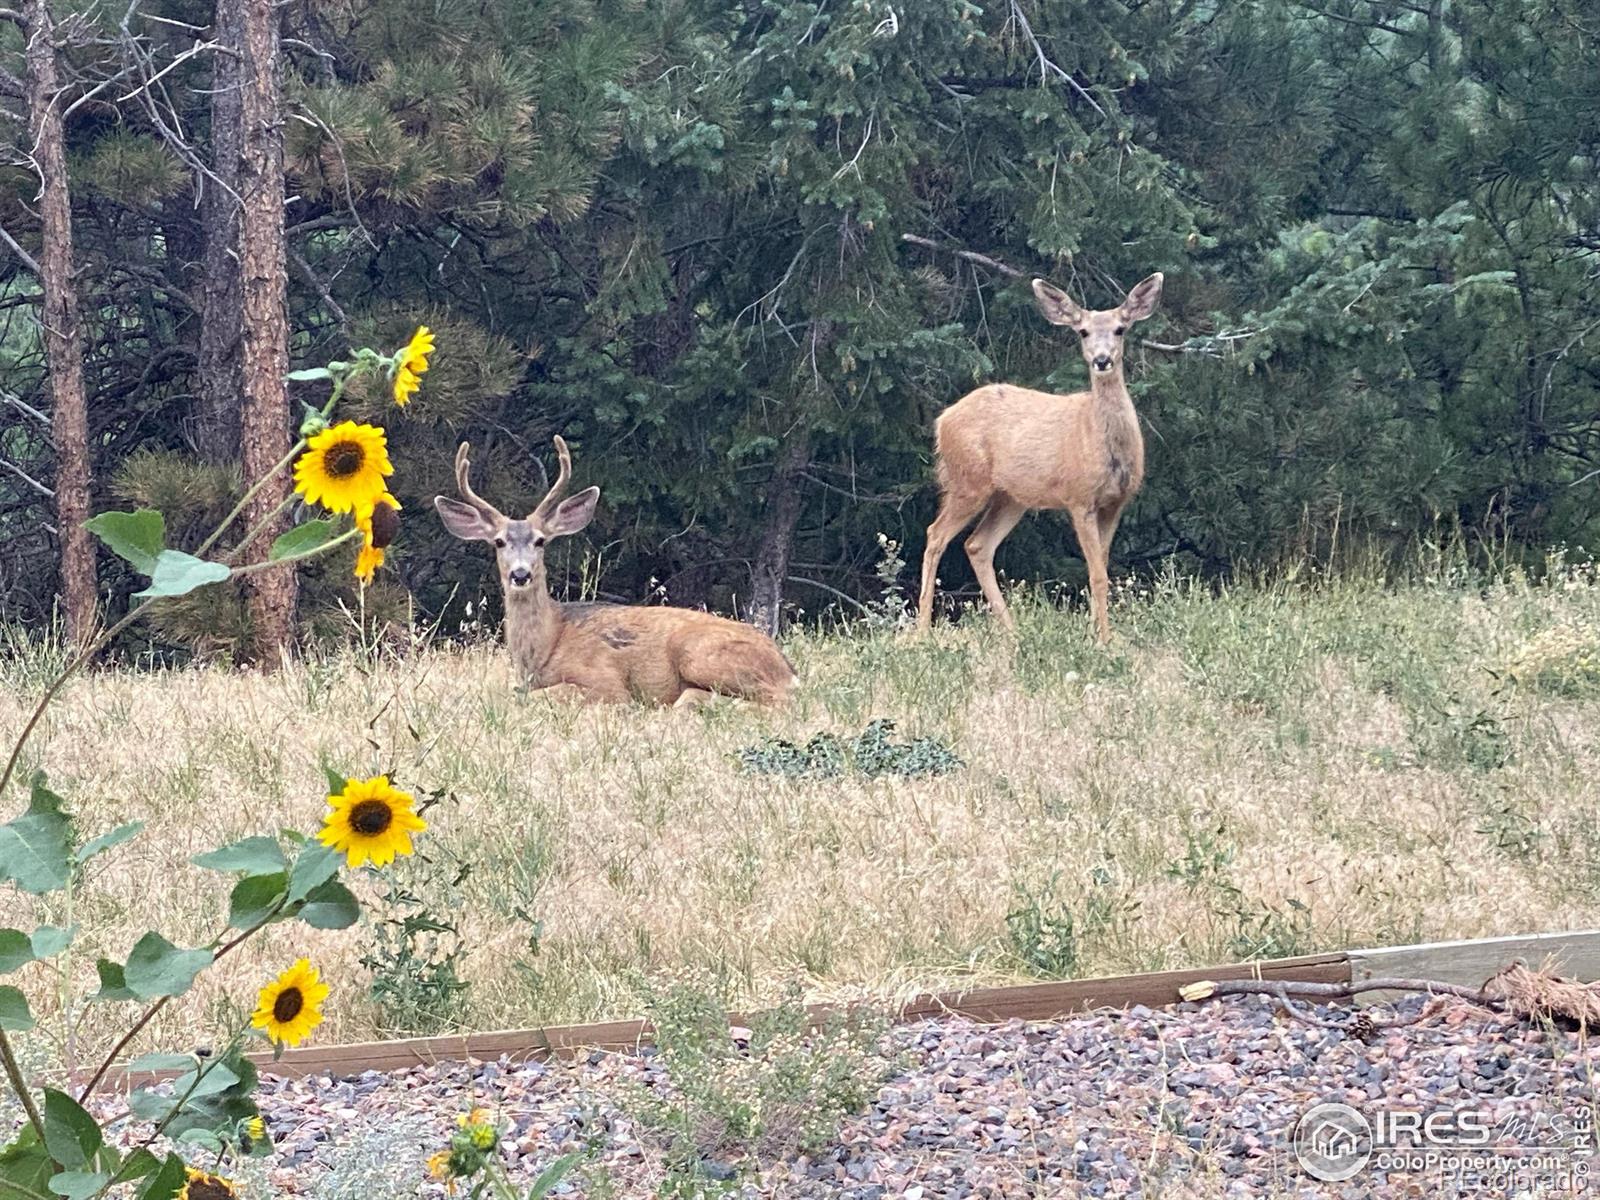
<point>728,1107</point>
<point>416,952</point>
<point>1264,931</point>
<point>872,752</point>
<point>1048,933</point>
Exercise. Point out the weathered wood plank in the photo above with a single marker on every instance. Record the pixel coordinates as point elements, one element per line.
<point>1468,963</point>
<point>1046,1001</point>
<point>1029,1002</point>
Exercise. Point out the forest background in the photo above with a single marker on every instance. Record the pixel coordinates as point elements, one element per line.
<point>741,252</point>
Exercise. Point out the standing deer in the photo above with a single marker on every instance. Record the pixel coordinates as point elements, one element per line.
<point>607,652</point>
<point>1003,450</point>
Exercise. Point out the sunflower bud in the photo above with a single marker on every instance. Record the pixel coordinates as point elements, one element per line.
<point>385,526</point>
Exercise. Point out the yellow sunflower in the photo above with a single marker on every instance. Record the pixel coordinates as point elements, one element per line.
<point>200,1186</point>
<point>343,467</point>
<point>370,822</point>
<point>290,1007</point>
<point>378,525</point>
<point>252,1133</point>
<point>411,363</point>
<point>480,1128</point>
<point>439,1168</point>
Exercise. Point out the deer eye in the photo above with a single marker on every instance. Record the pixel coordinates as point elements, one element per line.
<point>1120,330</point>
<point>499,543</point>
<point>1083,333</point>
<point>538,542</point>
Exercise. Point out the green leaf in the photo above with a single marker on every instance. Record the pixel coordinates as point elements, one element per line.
<point>178,574</point>
<point>315,865</point>
<point>217,1078</point>
<point>14,1014</point>
<point>25,1166</point>
<point>336,782</point>
<point>256,855</point>
<point>309,375</point>
<point>166,1183</point>
<point>79,1185</point>
<point>16,950</point>
<point>162,1062</point>
<point>136,536</point>
<point>158,968</point>
<point>553,1174</point>
<point>202,1137</point>
<point>41,800</point>
<point>51,940</point>
<point>303,539</point>
<point>106,841</point>
<point>71,1135</point>
<point>36,848</point>
<point>150,1105</point>
<point>113,984</point>
<point>137,1165</point>
<point>330,906</point>
<point>254,898</point>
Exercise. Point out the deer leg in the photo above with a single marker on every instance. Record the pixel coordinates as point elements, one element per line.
<point>1108,529</point>
<point>693,697</point>
<point>1087,525</point>
<point>954,513</point>
<point>1000,519</point>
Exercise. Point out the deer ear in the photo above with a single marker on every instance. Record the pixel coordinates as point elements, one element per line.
<point>466,522</point>
<point>1055,304</point>
<point>573,513</point>
<point>1142,300</point>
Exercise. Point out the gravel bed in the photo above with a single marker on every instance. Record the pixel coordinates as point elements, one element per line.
<point>1190,1101</point>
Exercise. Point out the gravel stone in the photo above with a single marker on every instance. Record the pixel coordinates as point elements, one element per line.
<point>1186,1103</point>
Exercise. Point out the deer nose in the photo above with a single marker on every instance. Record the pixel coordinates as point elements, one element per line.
<point>520,576</point>
<point>1102,362</point>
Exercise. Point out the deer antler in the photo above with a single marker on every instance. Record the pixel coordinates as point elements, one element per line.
<point>464,483</point>
<point>558,489</point>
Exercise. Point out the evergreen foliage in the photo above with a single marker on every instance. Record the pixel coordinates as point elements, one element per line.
<point>677,233</point>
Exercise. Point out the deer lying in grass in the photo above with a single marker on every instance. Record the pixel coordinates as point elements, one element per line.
<point>1004,450</point>
<point>607,652</point>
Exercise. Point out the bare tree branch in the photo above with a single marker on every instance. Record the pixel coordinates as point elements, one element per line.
<point>1046,66</point>
<point>27,479</point>
<point>303,269</point>
<point>983,260</point>
<point>27,259</point>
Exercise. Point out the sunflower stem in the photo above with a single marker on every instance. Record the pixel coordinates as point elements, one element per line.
<point>250,494</point>
<point>339,382</point>
<point>20,1085</point>
<point>89,651</point>
<point>250,568</point>
<point>251,536</point>
<point>149,1014</point>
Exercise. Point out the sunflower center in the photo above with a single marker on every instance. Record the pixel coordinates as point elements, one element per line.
<point>288,1005</point>
<point>344,459</point>
<point>371,817</point>
<point>209,1187</point>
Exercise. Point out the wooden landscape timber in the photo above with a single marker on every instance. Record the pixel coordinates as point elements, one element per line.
<point>1461,963</point>
<point>1468,964</point>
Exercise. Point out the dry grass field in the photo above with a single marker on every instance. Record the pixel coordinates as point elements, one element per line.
<point>1284,767</point>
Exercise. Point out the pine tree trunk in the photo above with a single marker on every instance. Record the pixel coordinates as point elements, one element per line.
<point>264,335</point>
<point>63,332</point>
<point>785,493</point>
<point>217,418</point>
